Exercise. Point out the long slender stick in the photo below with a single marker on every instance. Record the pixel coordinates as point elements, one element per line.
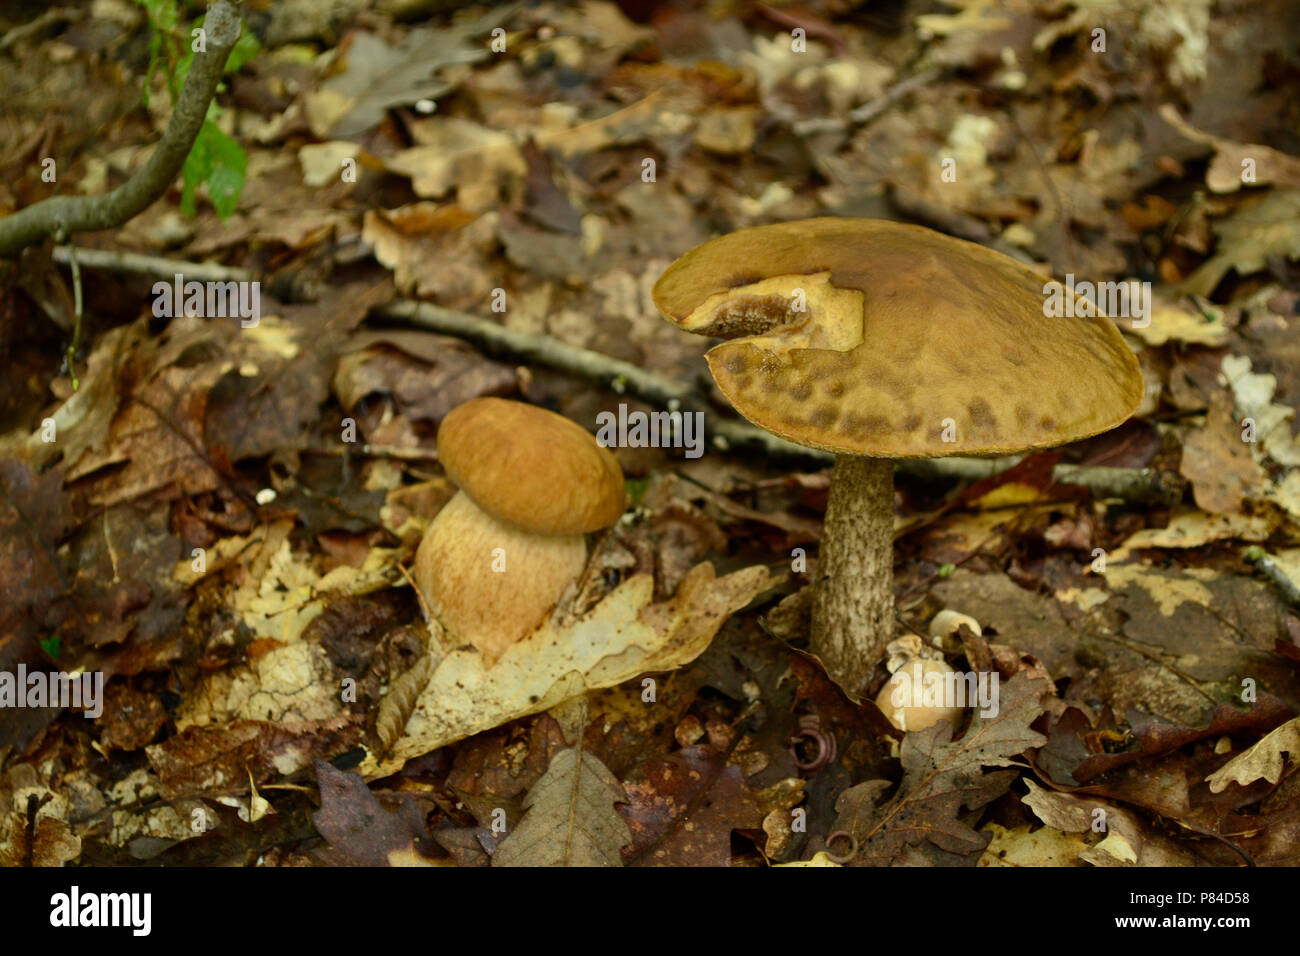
<point>1142,485</point>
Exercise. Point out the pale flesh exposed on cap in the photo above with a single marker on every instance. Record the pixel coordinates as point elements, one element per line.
<point>913,699</point>
<point>903,327</point>
<point>877,340</point>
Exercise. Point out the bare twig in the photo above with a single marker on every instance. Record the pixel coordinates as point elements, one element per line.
<point>1142,485</point>
<point>615,374</point>
<point>1139,485</point>
<point>66,215</point>
<point>53,17</point>
<point>76,309</point>
<point>869,111</point>
<point>1273,571</point>
<point>138,264</point>
<point>376,451</point>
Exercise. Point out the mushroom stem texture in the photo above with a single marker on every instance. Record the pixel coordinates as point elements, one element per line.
<point>853,601</point>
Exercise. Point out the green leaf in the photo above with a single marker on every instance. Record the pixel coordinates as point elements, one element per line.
<point>215,158</point>
<point>636,488</point>
<point>245,48</point>
<point>51,645</point>
<point>226,181</point>
<point>163,16</point>
<point>219,161</point>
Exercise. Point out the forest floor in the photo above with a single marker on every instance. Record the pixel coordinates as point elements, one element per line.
<point>220,524</point>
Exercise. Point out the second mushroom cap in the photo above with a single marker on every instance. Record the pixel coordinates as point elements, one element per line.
<point>530,467</point>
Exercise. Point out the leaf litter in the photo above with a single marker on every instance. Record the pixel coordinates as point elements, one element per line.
<point>286,690</point>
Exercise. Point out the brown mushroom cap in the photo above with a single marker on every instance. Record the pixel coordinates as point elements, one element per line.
<point>904,327</point>
<point>530,467</point>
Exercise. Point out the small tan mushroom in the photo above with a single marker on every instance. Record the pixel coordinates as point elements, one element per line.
<point>501,553</point>
<point>877,340</point>
<point>914,697</point>
<point>947,622</point>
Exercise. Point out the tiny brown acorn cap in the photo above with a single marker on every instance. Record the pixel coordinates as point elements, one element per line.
<point>902,329</point>
<point>530,467</point>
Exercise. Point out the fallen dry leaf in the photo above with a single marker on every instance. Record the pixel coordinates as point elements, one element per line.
<point>456,154</point>
<point>376,77</point>
<point>1171,322</point>
<point>623,636</point>
<point>940,779</point>
<point>1190,528</point>
<point>570,818</point>
<point>683,806</point>
<point>1218,462</point>
<point>360,831</point>
<point>1234,161</point>
<point>1127,841</point>
<point>1260,228</point>
<point>34,827</point>
<point>1027,846</point>
<point>1262,761</point>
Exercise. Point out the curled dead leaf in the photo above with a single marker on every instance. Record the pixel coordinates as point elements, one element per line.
<point>623,636</point>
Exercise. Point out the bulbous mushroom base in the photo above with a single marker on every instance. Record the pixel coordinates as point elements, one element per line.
<point>853,599</point>
<point>489,583</point>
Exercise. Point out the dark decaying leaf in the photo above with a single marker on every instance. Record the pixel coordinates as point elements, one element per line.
<point>272,410</point>
<point>360,831</point>
<point>378,77</point>
<point>683,807</point>
<point>1154,736</point>
<point>34,513</point>
<point>221,758</point>
<point>940,780</point>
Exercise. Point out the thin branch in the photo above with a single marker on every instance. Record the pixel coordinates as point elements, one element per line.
<point>1274,572</point>
<point>57,16</point>
<point>1144,485</point>
<point>154,267</point>
<point>613,373</point>
<point>64,215</point>
<point>869,111</point>
<point>1139,485</point>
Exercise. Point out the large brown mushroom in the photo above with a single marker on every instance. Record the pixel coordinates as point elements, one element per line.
<point>501,553</point>
<point>876,340</point>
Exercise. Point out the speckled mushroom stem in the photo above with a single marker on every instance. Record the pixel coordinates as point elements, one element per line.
<point>853,601</point>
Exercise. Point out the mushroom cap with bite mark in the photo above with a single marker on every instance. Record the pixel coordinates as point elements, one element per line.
<point>902,328</point>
